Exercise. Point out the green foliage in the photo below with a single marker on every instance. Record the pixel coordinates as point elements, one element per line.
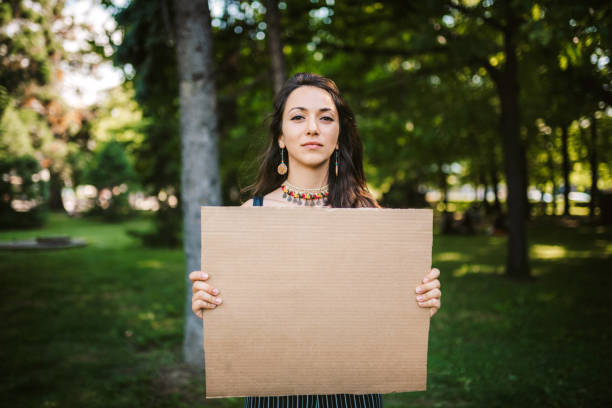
<point>422,78</point>
<point>28,45</point>
<point>111,171</point>
<point>110,166</point>
<point>166,222</point>
<point>21,183</point>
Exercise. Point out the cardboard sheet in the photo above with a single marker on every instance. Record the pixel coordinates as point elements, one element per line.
<point>315,301</point>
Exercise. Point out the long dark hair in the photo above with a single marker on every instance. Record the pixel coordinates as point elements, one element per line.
<point>349,188</point>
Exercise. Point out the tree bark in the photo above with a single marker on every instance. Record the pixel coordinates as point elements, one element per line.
<point>551,169</point>
<point>566,170</point>
<point>594,172</point>
<point>199,145</point>
<point>444,187</point>
<point>495,187</point>
<point>55,191</point>
<point>275,44</point>
<point>485,186</point>
<point>517,265</point>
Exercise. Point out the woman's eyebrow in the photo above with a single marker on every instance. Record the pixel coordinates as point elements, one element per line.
<point>320,110</point>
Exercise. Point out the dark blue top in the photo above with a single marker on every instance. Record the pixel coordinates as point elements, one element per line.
<point>258,201</point>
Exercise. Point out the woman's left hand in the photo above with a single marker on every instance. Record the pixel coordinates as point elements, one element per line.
<point>428,292</point>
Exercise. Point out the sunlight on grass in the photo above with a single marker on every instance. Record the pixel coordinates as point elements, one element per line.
<point>604,246</point>
<point>548,251</point>
<point>486,269</point>
<point>150,263</point>
<point>449,257</point>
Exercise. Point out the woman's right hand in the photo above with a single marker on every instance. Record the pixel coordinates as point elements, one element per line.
<point>204,295</point>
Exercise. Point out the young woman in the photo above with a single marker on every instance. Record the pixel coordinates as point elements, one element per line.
<point>314,158</point>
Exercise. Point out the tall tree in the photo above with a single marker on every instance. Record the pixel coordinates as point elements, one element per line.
<point>566,169</point>
<point>593,163</point>
<point>199,144</point>
<point>275,44</point>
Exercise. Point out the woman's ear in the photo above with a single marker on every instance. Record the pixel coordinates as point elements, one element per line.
<point>281,141</point>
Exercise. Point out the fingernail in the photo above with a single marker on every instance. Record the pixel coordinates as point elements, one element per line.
<point>218,301</point>
<point>419,298</point>
<point>215,291</point>
<point>205,275</point>
<point>421,303</point>
<point>419,289</point>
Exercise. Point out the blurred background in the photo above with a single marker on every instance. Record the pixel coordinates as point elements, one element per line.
<point>495,113</point>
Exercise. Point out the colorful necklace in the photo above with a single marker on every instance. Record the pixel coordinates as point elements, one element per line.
<point>309,195</point>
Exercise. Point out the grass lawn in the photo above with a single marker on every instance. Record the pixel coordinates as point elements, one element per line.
<point>102,325</point>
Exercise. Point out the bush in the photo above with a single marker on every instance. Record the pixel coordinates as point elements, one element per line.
<point>22,184</point>
<point>110,172</point>
<point>167,229</point>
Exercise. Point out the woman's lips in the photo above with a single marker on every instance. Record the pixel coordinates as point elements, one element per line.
<point>312,145</point>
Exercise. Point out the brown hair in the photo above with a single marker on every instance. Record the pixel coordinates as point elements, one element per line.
<point>349,188</point>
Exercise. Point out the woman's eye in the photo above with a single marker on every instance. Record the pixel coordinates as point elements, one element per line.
<point>297,117</point>
<point>328,118</point>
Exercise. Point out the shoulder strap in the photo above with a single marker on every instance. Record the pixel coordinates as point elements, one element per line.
<point>258,201</point>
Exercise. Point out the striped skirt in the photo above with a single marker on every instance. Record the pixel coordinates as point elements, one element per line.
<point>316,401</point>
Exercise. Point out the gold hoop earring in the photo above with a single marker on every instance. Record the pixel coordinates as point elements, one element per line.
<point>282,167</point>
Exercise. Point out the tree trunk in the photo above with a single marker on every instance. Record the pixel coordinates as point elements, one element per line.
<point>495,186</point>
<point>485,186</point>
<point>199,139</point>
<point>444,188</point>
<point>566,170</point>
<point>517,265</point>
<point>275,44</point>
<point>524,144</point>
<point>593,165</point>
<point>551,169</point>
<point>55,191</point>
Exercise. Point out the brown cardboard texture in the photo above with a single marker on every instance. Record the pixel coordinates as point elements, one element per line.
<point>315,301</point>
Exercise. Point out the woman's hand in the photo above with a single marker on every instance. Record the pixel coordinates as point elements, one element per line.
<point>428,292</point>
<point>204,295</point>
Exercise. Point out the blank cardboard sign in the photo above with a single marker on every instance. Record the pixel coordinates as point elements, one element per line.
<point>315,301</point>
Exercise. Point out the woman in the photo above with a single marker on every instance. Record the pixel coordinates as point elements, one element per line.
<point>314,158</point>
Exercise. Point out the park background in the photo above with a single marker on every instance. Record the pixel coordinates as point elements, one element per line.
<point>119,118</point>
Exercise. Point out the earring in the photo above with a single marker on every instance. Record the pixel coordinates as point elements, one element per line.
<point>336,162</point>
<point>282,167</point>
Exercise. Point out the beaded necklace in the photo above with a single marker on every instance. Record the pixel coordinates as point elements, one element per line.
<point>309,195</point>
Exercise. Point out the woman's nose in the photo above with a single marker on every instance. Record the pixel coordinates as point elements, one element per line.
<point>312,126</point>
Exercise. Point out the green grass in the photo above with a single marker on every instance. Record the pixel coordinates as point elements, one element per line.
<point>102,325</point>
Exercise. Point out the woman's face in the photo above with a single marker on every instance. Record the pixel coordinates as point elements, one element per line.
<point>310,127</point>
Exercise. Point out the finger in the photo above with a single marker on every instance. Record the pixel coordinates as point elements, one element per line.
<point>433,274</point>
<point>198,308</point>
<point>198,275</point>
<point>199,285</point>
<point>200,304</point>
<point>432,294</point>
<point>207,297</point>
<point>430,303</point>
<point>425,287</point>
